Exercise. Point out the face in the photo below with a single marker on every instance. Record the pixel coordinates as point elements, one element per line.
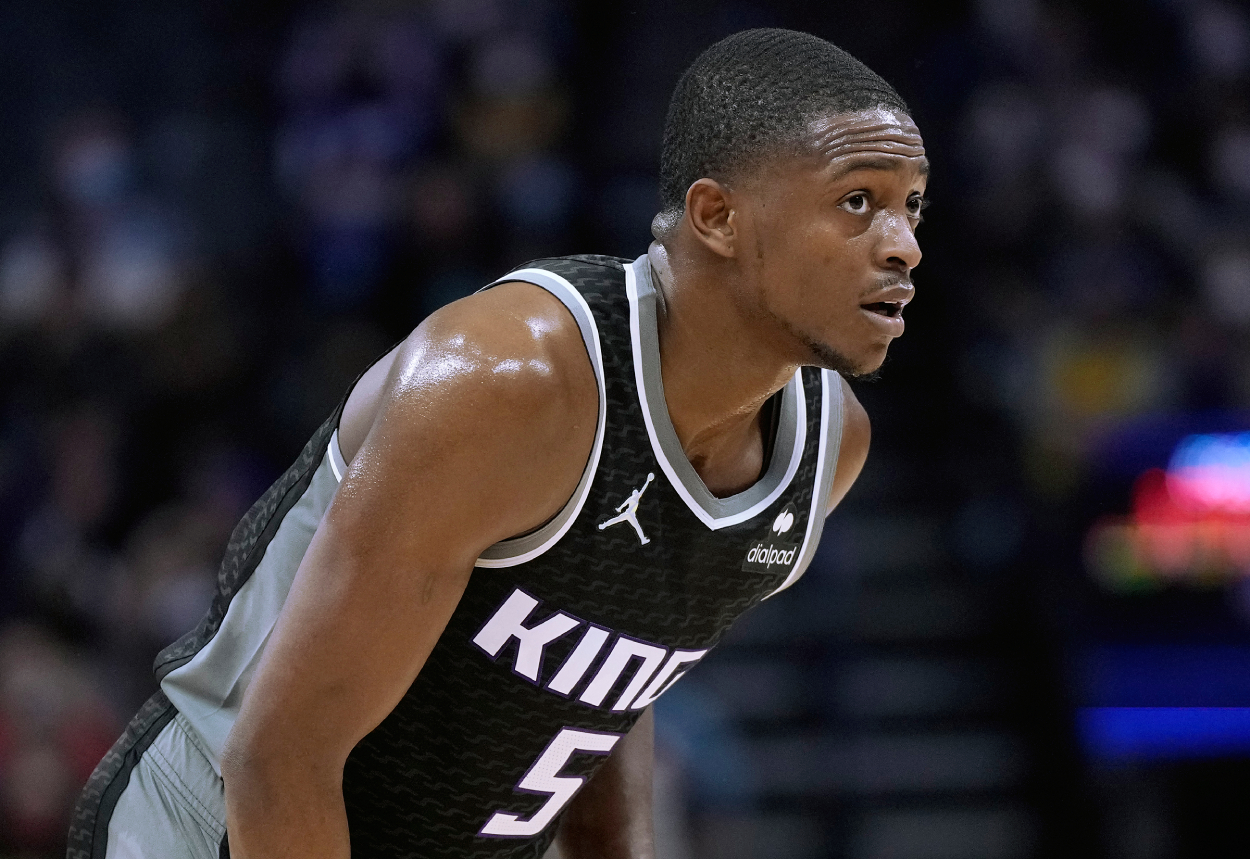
<point>829,237</point>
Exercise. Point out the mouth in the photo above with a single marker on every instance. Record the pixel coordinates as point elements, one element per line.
<point>888,309</point>
<point>885,316</point>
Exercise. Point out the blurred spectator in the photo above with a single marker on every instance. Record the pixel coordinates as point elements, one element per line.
<point>53,730</point>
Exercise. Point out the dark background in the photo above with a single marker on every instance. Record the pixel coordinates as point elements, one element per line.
<point>213,214</point>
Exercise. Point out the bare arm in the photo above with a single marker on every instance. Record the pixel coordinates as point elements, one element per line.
<point>481,432</point>
<point>856,436</point>
<point>611,817</point>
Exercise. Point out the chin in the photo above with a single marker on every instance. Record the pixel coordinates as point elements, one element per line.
<point>851,366</point>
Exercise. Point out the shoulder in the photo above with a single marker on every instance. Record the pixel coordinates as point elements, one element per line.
<point>853,452</point>
<point>534,340</point>
<point>518,319</point>
<point>513,334</point>
<point>492,399</point>
<point>511,359</point>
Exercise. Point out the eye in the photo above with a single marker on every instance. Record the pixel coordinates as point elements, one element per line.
<point>856,204</point>
<point>915,205</point>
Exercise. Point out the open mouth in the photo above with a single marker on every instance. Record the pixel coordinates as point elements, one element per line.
<point>889,309</point>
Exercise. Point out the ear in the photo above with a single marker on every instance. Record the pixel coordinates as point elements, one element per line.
<point>709,209</point>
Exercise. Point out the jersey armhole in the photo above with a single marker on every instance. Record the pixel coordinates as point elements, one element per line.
<point>832,418</point>
<point>519,550</point>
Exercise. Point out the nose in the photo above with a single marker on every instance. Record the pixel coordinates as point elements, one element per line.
<point>898,249</point>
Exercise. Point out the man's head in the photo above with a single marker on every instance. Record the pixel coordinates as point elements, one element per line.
<point>800,168</point>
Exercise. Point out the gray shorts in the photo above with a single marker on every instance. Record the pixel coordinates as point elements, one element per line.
<point>154,796</point>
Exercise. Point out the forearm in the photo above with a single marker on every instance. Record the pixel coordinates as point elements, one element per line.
<point>284,815</point>
<point>611,817</point>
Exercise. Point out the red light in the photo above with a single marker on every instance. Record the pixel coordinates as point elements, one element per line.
<point>1190,523</point>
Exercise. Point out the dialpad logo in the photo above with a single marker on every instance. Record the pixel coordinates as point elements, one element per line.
<point>778,549</point>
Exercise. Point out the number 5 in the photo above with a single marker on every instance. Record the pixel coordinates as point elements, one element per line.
<point>543,777</point>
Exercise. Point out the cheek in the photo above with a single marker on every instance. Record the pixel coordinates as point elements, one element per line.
<point>807,261</point>
<point>830,259</point>
<point>801,243</point>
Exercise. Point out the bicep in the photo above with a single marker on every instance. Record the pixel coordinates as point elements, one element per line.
<point>853,452</point>
<point>437,479</point>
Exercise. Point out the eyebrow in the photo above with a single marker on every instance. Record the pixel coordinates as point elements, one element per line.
<point>875,162</point>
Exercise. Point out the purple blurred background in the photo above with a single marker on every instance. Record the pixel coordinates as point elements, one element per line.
<point>213,214</point>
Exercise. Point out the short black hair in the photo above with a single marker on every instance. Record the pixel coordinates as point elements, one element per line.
<point>751,95</point>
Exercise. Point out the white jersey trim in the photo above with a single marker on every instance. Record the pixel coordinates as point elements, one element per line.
<point>832,402</point>
<point>337,463</point>
<point>715,513</point>
<point>519,550</point>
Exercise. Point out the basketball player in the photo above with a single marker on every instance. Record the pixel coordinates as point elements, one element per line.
<point>440,632</point>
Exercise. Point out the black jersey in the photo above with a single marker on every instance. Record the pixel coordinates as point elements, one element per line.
<point>563,636</point>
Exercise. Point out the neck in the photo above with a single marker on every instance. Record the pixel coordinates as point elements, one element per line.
<point>717,369</point>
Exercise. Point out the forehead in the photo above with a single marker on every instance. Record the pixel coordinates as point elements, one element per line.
<point>841,141</point>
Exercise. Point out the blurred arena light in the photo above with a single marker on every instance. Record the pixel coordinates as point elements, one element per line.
<point>1188,524</point>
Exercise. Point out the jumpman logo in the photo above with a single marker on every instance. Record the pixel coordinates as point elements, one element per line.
<point>629,511</point>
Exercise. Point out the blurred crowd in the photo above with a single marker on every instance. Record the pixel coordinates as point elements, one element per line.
<point>185,292</point>
<point>188,284</point>
<point>1103,160</point>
